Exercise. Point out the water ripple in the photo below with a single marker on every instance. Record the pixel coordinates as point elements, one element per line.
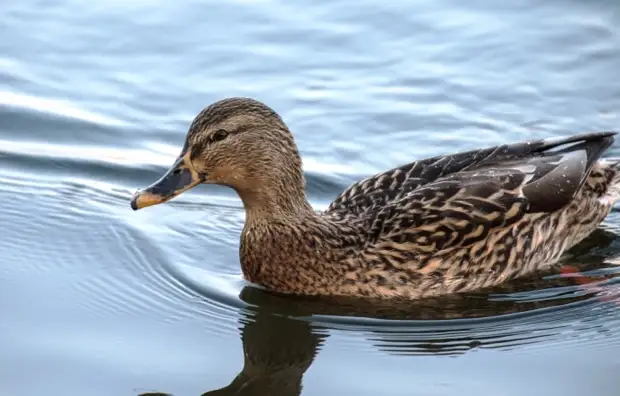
<point>57,107</point>
<point>67,237</point>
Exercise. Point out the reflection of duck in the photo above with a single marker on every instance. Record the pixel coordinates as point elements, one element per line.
<point>441,225</point>
<point>279,346</point>
<point>277,352</point>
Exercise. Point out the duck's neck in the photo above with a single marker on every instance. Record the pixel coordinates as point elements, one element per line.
<point>278,232</point>
<point>276,199</point>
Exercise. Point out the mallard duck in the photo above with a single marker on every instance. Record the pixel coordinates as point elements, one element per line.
<point>446,224</point>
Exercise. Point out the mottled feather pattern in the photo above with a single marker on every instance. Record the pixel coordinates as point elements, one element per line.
<point>445,224</point>
<point>393,184</point>
<point>451,224</point>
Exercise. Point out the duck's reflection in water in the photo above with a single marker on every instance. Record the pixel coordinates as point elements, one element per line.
<point>277,352</point>
<point>280,342</point>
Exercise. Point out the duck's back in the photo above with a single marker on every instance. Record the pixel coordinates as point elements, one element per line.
<point>469,220</point>
<point>539,163</point>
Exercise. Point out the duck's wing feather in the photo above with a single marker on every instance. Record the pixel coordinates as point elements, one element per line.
<point>380,189</point>
<point>461,208</point>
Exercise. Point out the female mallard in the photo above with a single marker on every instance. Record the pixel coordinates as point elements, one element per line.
<point>446,224</point>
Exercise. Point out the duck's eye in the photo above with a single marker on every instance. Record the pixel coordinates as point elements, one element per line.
<point>220,134</point>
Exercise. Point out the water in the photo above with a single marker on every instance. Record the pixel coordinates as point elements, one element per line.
<point>95,99</point>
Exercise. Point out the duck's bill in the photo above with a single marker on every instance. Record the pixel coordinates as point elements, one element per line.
<point>179,178</point>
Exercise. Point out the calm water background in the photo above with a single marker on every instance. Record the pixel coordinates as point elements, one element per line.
<point>95,99</point>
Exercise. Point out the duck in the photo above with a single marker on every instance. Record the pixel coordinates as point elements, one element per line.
<point>451,223</point>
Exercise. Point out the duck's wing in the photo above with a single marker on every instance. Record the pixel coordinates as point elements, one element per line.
<point>462,208</point>
<point>392,185</point>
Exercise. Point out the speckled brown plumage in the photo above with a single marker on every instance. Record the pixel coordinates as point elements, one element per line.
<point>441,225</point>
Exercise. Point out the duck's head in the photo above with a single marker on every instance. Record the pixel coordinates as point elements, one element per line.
<point>239,143</point>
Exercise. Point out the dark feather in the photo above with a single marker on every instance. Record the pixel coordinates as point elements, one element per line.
<point>549,166</point>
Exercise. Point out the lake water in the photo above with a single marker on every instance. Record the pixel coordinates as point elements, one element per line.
<point>95,100</point>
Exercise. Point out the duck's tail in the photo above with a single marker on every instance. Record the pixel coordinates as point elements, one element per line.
<point>609,169</point>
